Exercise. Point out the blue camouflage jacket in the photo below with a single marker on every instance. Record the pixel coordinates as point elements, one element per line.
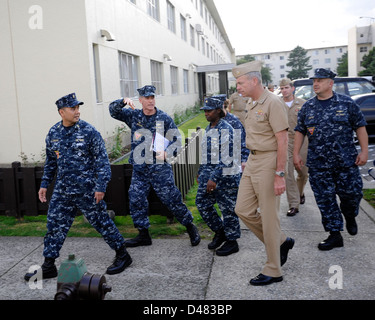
<point>143,133</point>
<point>219,162</point>
<point>330,131</point>
<point>235,122</point>
<point>78,158</point>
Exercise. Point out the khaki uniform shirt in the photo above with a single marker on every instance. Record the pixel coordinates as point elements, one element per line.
<point>264,118</point>
<point>238,106</point>
<point>293,116</point>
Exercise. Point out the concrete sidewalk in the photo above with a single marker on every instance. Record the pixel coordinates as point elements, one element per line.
<point>174,270</point>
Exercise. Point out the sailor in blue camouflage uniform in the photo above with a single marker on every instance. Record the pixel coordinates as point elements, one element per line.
<point>219,177</point>
<point>76,156</point>
<point>329,120</point>
<point>155,141</point>
<point>235,122</point>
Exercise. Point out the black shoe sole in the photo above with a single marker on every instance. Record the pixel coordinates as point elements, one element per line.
<point>137,244</point>
<point>265,283</point>
<point>226,253</point>
<point>126,264</point>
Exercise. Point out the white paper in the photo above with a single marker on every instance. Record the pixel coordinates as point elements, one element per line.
<point>160,143</point>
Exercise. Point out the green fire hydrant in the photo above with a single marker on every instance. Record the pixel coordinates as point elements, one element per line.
<point>75,283</point>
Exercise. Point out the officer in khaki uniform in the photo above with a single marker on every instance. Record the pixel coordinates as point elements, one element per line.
<point>294,187</point>
<point>263,181</point>
<point>237,106</point>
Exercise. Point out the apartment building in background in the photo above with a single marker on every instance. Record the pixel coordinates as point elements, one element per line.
<point>102,50</point>
<point>361,40</point>
<point>325,57</point>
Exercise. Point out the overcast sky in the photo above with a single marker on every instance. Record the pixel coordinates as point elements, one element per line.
<point>260,26</point>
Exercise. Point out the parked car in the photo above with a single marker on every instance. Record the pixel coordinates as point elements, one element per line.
<point>345,85</point>
<point>367,105</point>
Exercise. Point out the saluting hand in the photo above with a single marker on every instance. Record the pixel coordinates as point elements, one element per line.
<point>128,101</point>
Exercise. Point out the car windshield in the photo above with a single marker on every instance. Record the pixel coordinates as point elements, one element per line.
<point>354,87</point>
<point>359,87</point>
<point>305,92</point>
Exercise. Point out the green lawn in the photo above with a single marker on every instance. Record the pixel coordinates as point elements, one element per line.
<point>190,126</point>
<point>369,196</point>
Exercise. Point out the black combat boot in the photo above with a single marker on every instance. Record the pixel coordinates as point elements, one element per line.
<point>229,247</point>
<point>122,260</point>
<point>193,233</point>
<point>334,240</point>
<point>142,239</point>
<point>218,239</point>
<point>351,225</point>
<point>49,270</point>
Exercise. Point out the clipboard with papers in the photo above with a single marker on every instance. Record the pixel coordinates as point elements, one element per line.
<point>159,143</point>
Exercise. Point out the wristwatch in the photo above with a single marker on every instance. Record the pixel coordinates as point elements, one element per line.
<point>280,173</point>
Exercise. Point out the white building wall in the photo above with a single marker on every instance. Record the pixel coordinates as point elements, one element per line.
<point>360,41</point>
<point>43,64</point>
<point>44,56</point>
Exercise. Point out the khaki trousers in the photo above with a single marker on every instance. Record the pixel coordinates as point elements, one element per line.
<point>294,188</point>
<point>256,190</point>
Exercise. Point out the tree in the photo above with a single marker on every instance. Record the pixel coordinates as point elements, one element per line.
<point>342,66</point>
<point>246,58</point>
<point>368,62</point>
<point>299,62</point>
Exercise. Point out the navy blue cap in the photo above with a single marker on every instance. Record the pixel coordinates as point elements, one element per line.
<point>221,97</point>
<point>322,73</point>
<point>147,91</point>
<point>68,101</point>
<point>212,104</point>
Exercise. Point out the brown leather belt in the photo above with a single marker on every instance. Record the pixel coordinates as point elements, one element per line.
<point>254,152</point>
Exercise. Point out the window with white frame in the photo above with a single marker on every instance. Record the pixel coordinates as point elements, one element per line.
<point>174,80</point>
<point>192,36</point>
<point>128,75</point>
<point>186,81</point>
<point>153,8</point>
<point>157,76</point>
<point>98,83</point>
<point>183,28</point>
<point>171,17</point>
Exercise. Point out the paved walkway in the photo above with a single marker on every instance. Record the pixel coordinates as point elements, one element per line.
<point>173,270</point>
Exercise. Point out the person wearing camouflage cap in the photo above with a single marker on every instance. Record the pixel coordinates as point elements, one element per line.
<point>215,184</point>
<point>155,141</point>
<point>329,120</point>
<point>76,156</point>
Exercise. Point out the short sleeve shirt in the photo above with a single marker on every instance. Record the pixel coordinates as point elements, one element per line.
<point>264,119</point>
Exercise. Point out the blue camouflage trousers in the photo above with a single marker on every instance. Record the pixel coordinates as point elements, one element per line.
<point>61,213</point>
<point>161,179</point>
<point>344,182</point>
<point>225,195</point>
